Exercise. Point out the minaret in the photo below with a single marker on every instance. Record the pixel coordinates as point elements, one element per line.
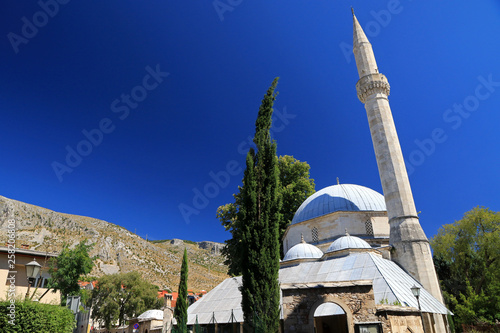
<point>412,250</point>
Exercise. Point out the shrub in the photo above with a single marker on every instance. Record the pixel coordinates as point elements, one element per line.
<point>33,317</point>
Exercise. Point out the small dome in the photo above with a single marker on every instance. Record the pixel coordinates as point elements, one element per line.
<point>348,242</point>
<point>342,197</point>
<point>303,251</point>
<point>152,314</point>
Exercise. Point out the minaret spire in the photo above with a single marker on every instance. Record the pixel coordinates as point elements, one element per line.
<point>363,52</point>
<point>411,247</point>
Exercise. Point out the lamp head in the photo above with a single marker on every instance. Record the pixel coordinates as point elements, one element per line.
<point>415,290</point>
<point>32,269</point>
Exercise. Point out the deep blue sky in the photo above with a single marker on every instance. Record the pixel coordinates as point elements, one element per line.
<point>65,77</point>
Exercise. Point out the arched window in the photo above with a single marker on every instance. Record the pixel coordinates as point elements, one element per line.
<point>330,317</point>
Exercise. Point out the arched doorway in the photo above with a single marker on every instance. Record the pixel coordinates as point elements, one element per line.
<point>330,318</point>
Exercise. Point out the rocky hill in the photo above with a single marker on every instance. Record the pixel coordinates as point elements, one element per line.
<point>116,249</point>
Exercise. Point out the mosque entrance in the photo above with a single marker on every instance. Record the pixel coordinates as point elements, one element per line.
<point>330,318</point>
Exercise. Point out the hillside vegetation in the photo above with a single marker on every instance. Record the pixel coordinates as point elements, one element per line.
<point>116,249</point>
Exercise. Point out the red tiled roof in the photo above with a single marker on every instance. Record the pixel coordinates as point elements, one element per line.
<point>162,293</point>
<point>83,284</point>
<point>175,295</point>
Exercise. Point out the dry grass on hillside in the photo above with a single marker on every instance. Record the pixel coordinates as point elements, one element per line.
<point>116,249</point>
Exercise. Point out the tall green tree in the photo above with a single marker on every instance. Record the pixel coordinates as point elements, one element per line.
<point>120,296</point>
<point>68,268</point>
<point>295,187</point>
<point>259,217</point>
<point>467,260</point>
<point>180,312</point>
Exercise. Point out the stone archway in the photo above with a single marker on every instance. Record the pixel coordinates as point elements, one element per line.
<point>329,317</point>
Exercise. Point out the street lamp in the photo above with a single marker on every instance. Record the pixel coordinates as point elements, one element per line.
<point>32,270</point>
<point>416,292</point>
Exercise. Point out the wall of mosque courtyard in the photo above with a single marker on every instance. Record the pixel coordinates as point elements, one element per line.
<point>355,298</point>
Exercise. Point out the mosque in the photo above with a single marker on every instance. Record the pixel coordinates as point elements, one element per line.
<point>354,258</point>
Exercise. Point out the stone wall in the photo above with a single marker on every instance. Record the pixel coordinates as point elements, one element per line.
<point>357,300</point>
<point>396,319</point>
<point>300,302</point>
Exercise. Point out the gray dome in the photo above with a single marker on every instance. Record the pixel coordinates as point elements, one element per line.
<point>342,197</point>
<point>348,242</point>
<point>152,314</point>
<point>303,251</point>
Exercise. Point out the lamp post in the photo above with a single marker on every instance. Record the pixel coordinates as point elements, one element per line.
<point>32,270</point>
<point>416,292</point>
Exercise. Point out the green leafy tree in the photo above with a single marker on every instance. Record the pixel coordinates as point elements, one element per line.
<point>467,260</point>
<point>121,296</point>
<point>295,187</point>
<point>180,312</point>
<point>232,251</point>
<point>68,268</point>
<point>259,217</point>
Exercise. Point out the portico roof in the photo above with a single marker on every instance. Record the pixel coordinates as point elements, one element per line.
<point>391,285</point>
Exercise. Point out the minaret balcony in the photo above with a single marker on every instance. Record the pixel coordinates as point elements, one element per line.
<point>370,84</point>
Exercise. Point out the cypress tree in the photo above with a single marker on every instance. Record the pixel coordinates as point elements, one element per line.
<point>180,312</point>
<point>259,216</point>
<point>296,185</point>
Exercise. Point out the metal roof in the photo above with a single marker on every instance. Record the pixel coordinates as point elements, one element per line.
<point>221,304</point>
<point>28,252</point>
<point>401,284</point>
<point>218,303</point>
<point>391,284</point>
<point>342,197</point>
